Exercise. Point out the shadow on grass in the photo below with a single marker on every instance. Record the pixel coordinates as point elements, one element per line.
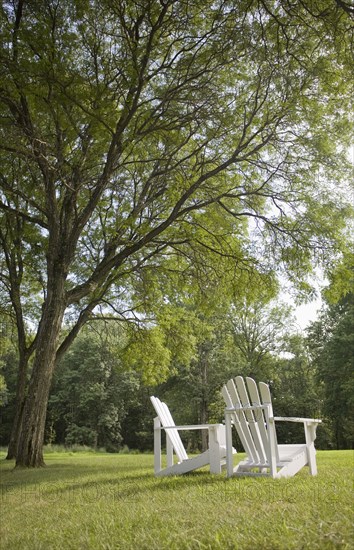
<point>124,478</point>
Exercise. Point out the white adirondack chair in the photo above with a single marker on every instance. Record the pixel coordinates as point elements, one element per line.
<point>215,455</point>
<point>251,412</point>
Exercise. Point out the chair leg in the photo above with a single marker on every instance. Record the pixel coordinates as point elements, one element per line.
<point>310,434</point>
<point>273,449</point>
<point>312,459</point>
<point>169,451</point>
<point>157,445</point>
<point>229,458</point>
<point>214,449</point>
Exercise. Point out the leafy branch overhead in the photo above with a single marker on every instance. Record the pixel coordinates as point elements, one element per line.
<point>129,121</point>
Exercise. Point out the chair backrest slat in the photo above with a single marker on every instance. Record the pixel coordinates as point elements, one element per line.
<point>267,400</point>
<point>251,423</point>
<point>235,416</point>
<point>259,417</point>
<point>251,419</point>
<point>241,422</point>
<point>265,396</point>
<point>166,420</point>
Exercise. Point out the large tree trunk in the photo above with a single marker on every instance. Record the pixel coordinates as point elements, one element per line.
<point>30,445</point>
<point>20,403</point>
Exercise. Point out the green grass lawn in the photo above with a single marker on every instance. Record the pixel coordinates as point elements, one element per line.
<point>106,501</point>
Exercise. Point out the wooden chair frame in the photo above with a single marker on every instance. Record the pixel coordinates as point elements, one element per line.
<point>214,456</point>
<point>250,411</point>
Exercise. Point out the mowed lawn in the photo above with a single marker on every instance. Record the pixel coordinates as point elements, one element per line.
<point>107,501</point>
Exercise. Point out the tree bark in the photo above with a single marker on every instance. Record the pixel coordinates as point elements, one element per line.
<point>20,403</point>
<point>30,446</point>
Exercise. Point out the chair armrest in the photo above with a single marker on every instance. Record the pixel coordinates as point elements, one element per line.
<point>191,427</point>
<point>297,419</point>
<point>230,410</point>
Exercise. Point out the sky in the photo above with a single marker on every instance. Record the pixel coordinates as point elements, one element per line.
<point>307,313</point>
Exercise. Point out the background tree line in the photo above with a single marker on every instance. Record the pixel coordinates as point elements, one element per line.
<point>100,394</point>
